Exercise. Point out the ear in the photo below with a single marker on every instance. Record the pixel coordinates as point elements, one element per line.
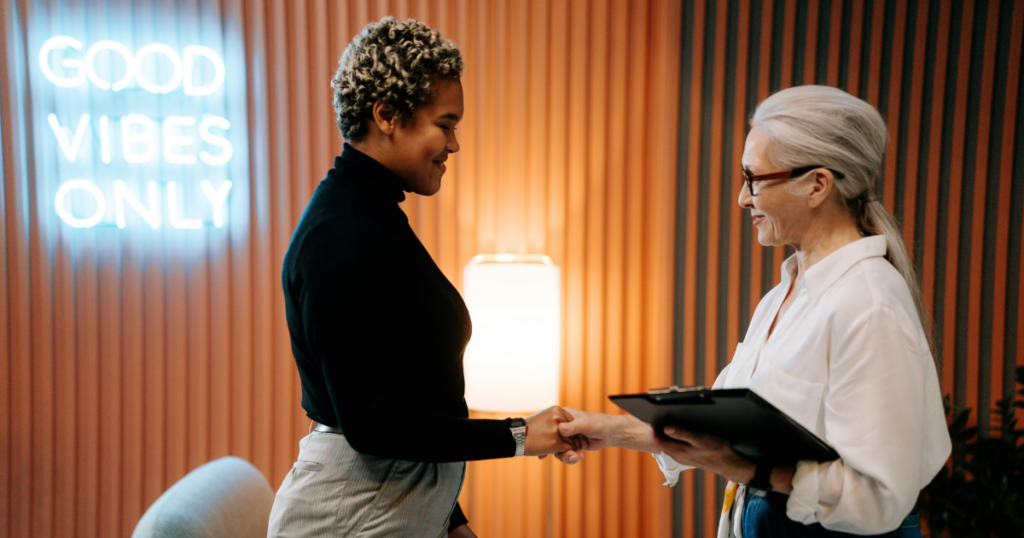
<point>384,117</point>
<point>821,185</point>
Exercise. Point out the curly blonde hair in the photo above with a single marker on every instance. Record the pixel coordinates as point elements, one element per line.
<point>398,62</point>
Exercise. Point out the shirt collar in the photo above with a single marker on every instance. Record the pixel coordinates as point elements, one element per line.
<point>380,182</point>
<point>826,272</point>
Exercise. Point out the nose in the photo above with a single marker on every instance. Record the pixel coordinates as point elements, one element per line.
<point>453,143</point>
<point>745,200</point>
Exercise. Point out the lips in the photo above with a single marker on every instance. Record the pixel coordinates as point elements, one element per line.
<point>757,219</point>
<point>441,165</point>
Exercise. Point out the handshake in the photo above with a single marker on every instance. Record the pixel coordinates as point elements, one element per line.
<point>568,433</point>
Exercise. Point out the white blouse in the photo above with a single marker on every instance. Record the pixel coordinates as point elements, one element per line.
<point>850,362</point>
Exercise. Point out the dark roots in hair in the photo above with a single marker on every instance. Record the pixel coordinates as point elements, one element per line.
<point>398,62</point>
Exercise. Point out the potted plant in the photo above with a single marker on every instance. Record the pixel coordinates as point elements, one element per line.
<point>981,491</point>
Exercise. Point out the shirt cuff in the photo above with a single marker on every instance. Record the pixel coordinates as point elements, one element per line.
<point>670,468</point>
<point>802,505</point>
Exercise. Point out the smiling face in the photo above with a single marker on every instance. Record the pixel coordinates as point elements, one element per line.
<point>779,214</point>
<point>422,145</point>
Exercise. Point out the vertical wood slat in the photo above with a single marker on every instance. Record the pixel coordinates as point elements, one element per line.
<point>811,45</point>
<point>259,22</point>
<point>999,318</point>
<point>14,491</point>
<point>835,42</point>
<point>953,209</point>
<point>65,423</point>
<point>612,316</point>
<point>639,104</point>
<point>43,411</point>
<point>895,86</point>
<point>737,217</point>
<point>574,261</point>
<point>592,222</point>
<point>785,70</point>
<point>284,161</point>
<point>855,36</point>
<point>938,176</point>
<point>688,369</point>
<point>977,226</point>
<point>1002,223</point>
<point>713,238</point>
<point>5,356</point>
<point>757,261</point>
<point>661,193</point>
<point>929,280</point>
<point>875,59</point>
<point>915,117</point>
<point>110,404</point>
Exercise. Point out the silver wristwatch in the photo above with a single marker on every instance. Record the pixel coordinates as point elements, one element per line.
<point>518,427</point>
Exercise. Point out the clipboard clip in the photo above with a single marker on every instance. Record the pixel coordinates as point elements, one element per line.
<point>677,389</point>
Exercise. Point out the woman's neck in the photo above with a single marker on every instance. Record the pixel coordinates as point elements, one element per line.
<point>823,238</point>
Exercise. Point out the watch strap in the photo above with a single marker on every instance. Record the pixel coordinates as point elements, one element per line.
<point>518,428</point>
<point>762,476</point>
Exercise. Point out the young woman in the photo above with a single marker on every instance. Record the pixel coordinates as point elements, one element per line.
<point>378,332</point>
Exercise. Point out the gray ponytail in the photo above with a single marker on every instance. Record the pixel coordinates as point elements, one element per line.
<point>878,221</point>
<point>827,126</point>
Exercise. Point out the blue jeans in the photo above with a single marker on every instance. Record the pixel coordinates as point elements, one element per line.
<point>765,517</point>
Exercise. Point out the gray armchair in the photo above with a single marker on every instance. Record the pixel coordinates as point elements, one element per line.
<point>227,497</point>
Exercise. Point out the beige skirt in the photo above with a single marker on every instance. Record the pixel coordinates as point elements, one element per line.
<point>334,491</point>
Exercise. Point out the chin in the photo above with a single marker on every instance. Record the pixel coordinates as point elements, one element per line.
<point>766,239</point>
<point>430,189</point>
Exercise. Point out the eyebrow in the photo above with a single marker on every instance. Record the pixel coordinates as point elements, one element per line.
<point>450,116</point>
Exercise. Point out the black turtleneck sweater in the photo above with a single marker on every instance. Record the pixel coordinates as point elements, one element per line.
<point>377,331</point>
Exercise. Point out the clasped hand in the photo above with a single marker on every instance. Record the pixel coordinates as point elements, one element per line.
<point>543,436</point>
<point>598,430</point>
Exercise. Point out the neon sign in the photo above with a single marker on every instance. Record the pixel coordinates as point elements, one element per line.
<point>177,160</point>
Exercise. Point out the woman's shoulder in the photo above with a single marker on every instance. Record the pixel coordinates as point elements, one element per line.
<point>335,243</point>
<point>870,285</point>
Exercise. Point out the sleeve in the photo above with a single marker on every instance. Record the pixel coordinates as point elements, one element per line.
<point>348,307</point>
<point>458,519</point>
<point>874,411</point>
<point>670,468</point>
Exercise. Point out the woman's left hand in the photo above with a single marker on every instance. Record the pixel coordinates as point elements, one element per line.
<point>703,451</point>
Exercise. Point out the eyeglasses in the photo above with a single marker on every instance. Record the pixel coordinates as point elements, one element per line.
<point>749,178</point>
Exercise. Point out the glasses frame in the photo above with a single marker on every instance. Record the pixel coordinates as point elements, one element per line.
<point>749,178</point>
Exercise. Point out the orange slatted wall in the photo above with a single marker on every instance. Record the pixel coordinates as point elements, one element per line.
<point>124,365</point>
<point>603,133</point>
<point>947,77</point>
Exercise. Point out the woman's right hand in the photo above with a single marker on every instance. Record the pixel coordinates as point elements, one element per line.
<point>542,436</point>
<point>598,430</point>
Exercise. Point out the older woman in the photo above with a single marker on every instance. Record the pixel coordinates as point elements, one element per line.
<point>840,345</point>
<point>377,331</point>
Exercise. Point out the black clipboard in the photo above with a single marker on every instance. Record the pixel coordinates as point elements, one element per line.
<point>752,426</point>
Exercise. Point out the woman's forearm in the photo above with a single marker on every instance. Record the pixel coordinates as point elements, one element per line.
<point>631,433</point>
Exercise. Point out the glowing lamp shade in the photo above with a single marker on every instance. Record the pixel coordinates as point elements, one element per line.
<point>512,361</point>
